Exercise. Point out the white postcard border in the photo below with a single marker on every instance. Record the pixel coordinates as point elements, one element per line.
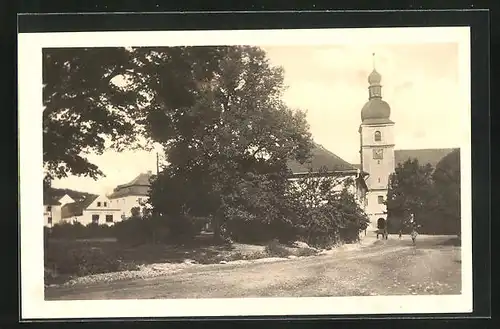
<point>33,304</point>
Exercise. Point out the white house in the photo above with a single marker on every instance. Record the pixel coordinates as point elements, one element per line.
<point>131,195</point>
<point>52,206</point>
<point>93,209</point>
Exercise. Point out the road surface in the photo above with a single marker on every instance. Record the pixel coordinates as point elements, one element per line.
<point>391,267</point>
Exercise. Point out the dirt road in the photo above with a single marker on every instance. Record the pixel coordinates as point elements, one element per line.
<point>391,267</point>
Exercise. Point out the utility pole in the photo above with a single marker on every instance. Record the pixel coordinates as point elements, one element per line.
<point>157,164</point>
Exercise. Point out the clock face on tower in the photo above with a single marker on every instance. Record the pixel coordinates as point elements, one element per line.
<point>378,153</point>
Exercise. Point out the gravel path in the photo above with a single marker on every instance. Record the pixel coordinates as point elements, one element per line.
<point>384,268</point>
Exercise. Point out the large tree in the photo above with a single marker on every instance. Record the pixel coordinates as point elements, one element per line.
<point>99,98</point>
<point>447,186</point>
<point>227,129</point>
<point>410,192</point>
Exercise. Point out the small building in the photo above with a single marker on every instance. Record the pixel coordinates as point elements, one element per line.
<point>325,163</point>
<point>52,205</point>
<point>131,195</point>
<point>92,209</point>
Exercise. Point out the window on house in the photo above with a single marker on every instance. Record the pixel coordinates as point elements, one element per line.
<point>105,204</point>
<point>49,208</point>
<point>98,204</point>
<point>378,136</point>
<point>95,219</point>
<point>379,179</point>
<point>49,220</point>
<point>380,199</point>
<point>109,218</point>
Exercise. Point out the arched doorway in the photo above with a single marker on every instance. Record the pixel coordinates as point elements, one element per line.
<point>382,228</point>
<point>381,223</point>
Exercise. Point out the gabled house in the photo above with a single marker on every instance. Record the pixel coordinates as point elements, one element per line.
<point>325,163</point>
<point>131,195</point>
<point>52,205</point>
<point>92,209</point>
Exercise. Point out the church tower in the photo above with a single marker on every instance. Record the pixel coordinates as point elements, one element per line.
<point>376,149</point>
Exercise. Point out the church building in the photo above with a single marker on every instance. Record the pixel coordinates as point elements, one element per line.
<point>378,156</point>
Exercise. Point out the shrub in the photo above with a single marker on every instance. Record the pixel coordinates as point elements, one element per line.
<point>66,230</point>
<point>276,249</point>
<point>305,252</point>
<point>81,260</point>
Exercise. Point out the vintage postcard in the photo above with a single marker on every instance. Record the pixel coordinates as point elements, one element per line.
<point>244,173</point>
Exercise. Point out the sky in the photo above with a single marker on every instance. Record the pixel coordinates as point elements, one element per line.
<point>420,83</point>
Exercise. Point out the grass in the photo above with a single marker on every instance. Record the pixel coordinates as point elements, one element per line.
<point>66,259</point>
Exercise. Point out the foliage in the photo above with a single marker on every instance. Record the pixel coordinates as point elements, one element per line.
<point>410,191</point>
<point>100,98</point>
<point>135,212</point>
<point>275,249</point>
<point>323,210</point>
<point>80,260</point>
<point>432,196</point>
<point>76,230</point>
<point>305,252</point>
<point>136,231</point>
<point>229,135</point>
<point>447,185</point>
<point>84,107</point>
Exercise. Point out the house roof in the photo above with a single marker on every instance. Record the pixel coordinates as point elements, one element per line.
<point>424,156</point>
<point>50,200</point>
<point>76,208</point>
<point>320,158</point>
<point>138,186</point>
<point>58,193</point>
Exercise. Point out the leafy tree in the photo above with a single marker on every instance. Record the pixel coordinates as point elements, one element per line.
<point>410,192</point>
<point>99,98</point>
<point>447,185</point>
<point>222,133</point>
<point>84,107</point>
<point>325,211</point>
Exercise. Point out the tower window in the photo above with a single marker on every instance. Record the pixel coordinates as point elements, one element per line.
<point>378,136</point>
<point>380,199</point>
<point>379,179</point>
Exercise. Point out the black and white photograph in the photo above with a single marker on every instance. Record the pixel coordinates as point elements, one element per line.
<point>226,173</point>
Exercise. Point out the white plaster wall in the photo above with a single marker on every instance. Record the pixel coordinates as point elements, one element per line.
<point>125,204</point>
<point>55,213</point>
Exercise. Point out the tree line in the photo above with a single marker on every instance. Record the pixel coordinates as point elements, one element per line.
<point>431,194</point>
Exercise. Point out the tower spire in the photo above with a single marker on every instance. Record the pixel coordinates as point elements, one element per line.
<point>373,60</point>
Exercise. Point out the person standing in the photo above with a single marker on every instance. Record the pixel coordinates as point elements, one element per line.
<point>414,235</point>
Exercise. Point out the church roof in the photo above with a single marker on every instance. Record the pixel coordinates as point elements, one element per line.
<point>320,158</point>
<point>374,78</point>
<point>139,186</point>
<point>424,156</point>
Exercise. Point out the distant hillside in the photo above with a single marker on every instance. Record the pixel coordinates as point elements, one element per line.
<point>75,195</point>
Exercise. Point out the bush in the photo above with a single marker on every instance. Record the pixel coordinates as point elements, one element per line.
<point>67,230</point>
<point>305,252</point>
<point>276,249</point>
<point>80,260</point>
<point>135,231</point>
<point>76,230</point>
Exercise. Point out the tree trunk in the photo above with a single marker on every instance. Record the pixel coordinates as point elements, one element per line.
<point>216,226</point>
